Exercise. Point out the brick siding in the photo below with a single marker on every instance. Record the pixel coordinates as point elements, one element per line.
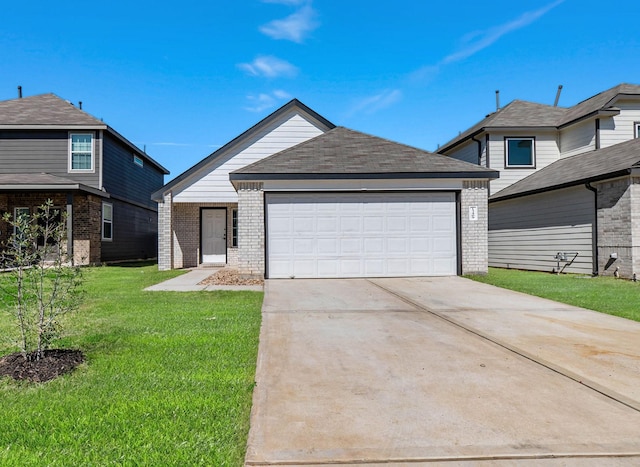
<point>474,234</point>
<point>618,227</point>
<point>251,225</point>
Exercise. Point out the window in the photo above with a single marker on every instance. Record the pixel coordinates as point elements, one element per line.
<point>137,160</point>
<point>53,220</point>
<point>107,221</point>
<point>636,130</point>
<point>234,228</point>
<point>520,152</point>
<point>81,152</point>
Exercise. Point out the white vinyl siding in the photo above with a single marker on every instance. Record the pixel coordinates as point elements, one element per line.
<point>546,148</point>
<point>620,128</point>
<point>214,185</point>
<point>466,153</point>
<point>313,235</point>
<point>527,232</point>
<point>578,138</point>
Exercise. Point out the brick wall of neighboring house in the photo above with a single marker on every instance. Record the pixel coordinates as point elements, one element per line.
<point>87,227</point>
<point>475,246</point>
<point>87,219</point>
<point>616,211</point>
<point>251,236</point>
<point>185,233</point>
<point>165,224</point>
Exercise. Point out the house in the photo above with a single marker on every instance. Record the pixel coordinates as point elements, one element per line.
<point>568,196</point>
<point>297,196</point>
<point>50,149</point>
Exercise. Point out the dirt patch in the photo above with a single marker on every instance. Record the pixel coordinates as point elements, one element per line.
<point>228,276</point>
<point>53,363</point>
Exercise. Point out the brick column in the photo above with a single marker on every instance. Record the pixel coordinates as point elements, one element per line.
<point>251,237</point>
<point>165,246</point>
<point>474,233</point>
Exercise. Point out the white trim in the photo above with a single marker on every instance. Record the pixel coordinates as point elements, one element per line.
<point>93,152</point>
<point>533,152</point>
<point>103,220</point>
<point>363,185</point>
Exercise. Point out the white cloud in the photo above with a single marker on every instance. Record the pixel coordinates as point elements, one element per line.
<point>265,101</point>
<point>294,27</point>
<point>479,40</point>
<point>270,67</point>
<point>372,104</point>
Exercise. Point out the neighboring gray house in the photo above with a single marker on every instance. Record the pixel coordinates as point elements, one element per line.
<point>295,196</point>
<point>50,149</point>
<point>568,183</point>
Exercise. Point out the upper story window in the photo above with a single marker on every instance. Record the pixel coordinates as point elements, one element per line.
<point>520,152</point>
<point>81,152</point>
<point>137,160</point>
<point>636,130</point>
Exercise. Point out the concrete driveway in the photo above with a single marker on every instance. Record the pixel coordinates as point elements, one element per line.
<point>440,370</point>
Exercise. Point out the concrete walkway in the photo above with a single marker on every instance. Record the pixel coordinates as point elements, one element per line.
<point>190,282</point>
<point>440,370</point>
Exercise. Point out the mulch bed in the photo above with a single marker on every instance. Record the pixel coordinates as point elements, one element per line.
<point>229,276</point>
<point>53,363</point>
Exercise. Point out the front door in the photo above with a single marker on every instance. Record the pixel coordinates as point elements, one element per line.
<point>213,235</point>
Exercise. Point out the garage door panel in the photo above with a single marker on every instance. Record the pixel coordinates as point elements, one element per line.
<point>361,234</point>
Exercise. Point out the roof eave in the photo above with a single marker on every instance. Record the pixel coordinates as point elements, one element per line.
<point>484,175</point>
<point>582,181</point>
<point>137,150</point>
<point>594,114</point>
<point>53,187</point>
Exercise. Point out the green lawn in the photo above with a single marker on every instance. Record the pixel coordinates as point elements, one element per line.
<point>605,294</point>
<point>168,379</point>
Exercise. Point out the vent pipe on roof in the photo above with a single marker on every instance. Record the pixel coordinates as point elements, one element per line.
<point>19,92</point>
<point>80,105</point>
<point>497,100</point>
<point>555,104</point>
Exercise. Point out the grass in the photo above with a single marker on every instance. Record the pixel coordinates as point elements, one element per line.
<point>168,379</point>
<point>604,294</point>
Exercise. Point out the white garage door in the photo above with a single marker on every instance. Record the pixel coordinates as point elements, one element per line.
<point>361,234</point>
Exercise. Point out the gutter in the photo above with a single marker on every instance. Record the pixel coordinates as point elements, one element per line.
<point>595,228</point>
<point>473,138</point>
<point>256,177</point>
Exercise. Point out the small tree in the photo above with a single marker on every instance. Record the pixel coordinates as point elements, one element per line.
<point>44,284</point>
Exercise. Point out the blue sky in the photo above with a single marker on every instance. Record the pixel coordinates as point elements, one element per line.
<point>184,78</point>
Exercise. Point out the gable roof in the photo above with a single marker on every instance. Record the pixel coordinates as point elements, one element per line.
<point>341,153</point>
<point>202,166</point>
<point>613,161</point>
<point>48,112</point>
<point>522,114</point>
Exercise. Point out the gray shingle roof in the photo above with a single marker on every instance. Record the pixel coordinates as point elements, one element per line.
<point>600,101</point>
<point>44,109</point>
<point>49,110</point>
<point>43,181</point>
<point>523,114</point>
<point>344,153</point>
<point>604,163</point>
